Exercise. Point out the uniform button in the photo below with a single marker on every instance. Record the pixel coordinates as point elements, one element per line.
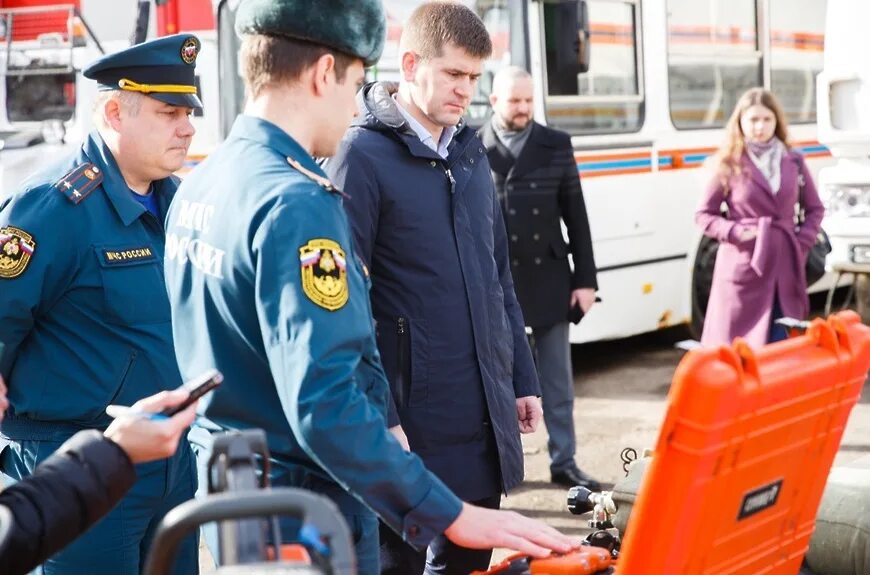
<point>533,185</point>
<point>514,238</point>
<point>535,211</point>
<point>537,237</point>
<point>509,187</point>
<point>471,160</point>
<point>512,212</point>
<point>433,163</point>
<point>479,150</point>
<point>537,261</point>
<point>413,530</point>
<point>515,263</point>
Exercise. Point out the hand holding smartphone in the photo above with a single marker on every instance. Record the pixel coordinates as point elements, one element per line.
<point>197,387</point>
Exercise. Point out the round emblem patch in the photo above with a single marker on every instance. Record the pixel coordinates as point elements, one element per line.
<point>189,50</point>
<point>16,249</point>
<point>324,273</point>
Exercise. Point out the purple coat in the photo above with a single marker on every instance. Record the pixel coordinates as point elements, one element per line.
<point>748,274</point>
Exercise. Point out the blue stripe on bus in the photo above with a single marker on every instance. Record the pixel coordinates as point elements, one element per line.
<point>615,164</point>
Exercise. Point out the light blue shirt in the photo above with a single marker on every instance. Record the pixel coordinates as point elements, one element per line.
<point>424,135</point>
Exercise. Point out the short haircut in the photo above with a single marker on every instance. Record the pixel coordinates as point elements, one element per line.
<point>507,76</point>
<point>434,24</point>
<point>273,60</point>
<point>130,101</point>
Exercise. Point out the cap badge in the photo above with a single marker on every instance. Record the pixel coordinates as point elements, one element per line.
<point>189,50</point>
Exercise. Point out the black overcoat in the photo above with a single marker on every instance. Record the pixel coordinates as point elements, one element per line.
<point>539,190</point>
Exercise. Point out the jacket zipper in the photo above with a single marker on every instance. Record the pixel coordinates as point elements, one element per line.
<point>403,383</point>
<point>452,180</point>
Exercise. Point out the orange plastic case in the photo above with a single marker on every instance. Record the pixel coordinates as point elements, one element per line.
<point>584,561</point>
<point>744,454</point>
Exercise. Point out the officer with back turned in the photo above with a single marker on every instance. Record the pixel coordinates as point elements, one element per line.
<point>259,251</point>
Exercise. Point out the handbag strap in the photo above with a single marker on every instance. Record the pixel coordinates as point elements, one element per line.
<point>799,212</point>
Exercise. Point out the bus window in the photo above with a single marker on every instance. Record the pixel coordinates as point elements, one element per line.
<point>609,97</point>
<point>713,57</point>
<point>796,56</point>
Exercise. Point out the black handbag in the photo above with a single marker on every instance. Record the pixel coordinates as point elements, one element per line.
<point>815,266</point>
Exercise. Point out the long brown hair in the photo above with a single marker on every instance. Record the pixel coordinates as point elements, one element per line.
<point>726,160</point>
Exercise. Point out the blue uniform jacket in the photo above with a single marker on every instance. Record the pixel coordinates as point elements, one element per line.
<point>260,257</point>
<point>450,330</point>
<point>84,317</point>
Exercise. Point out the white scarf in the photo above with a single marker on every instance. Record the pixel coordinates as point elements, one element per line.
<point>767,157</point>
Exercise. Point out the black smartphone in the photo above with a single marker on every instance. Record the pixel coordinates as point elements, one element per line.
<point>575,314</point>
<point>197,387</point>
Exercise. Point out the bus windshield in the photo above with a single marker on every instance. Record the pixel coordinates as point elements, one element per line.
<point>494,13</point>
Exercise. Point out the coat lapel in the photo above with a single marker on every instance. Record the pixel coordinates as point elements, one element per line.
<point>755,174</point>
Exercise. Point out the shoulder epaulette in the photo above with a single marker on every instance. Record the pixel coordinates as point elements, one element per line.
<point>314,177</point>
<point>80,182</point>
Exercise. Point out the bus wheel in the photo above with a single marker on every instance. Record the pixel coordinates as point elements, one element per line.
<point>702,280</point>
<point>862,297</point>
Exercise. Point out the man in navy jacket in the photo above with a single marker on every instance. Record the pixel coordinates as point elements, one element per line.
<point>427,223</point>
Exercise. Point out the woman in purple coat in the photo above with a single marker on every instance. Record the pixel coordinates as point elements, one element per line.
<point>759,273</point>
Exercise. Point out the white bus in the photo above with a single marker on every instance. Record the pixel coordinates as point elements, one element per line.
<point>662,78</point>
<point>844,126</point>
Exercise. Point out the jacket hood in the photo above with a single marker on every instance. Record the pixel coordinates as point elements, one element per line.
<point>379,111</point>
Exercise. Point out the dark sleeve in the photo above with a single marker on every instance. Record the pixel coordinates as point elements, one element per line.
<point>313,355</point>
<point>351,172</point>
<point>29,291</point>
<point>66,494</point>
<point>573,210</point>
<point>525,375</point>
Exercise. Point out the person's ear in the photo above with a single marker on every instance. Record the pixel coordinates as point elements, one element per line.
<point>324,74</point>
<point>410,63</point>
<point>112,114</point>
<point>492,100</point>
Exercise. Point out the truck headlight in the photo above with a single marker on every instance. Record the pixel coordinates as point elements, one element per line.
<point>849,201</point>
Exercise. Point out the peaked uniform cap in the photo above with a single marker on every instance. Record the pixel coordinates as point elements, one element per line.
<point>354,27</point>
<point>163,69</point>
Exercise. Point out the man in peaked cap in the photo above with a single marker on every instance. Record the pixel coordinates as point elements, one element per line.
<point>259,250</point>
<point>83,309</point>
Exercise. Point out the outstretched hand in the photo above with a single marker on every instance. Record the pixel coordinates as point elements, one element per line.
<point>479,528</point>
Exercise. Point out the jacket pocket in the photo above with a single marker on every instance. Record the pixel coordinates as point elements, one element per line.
<point>134,292</point>
<point>403,345</point>
<point>114,393</point>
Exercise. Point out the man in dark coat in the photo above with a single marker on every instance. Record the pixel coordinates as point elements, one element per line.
<point>450,331</point>
<point>82,481</point>
<point>539,188</point>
